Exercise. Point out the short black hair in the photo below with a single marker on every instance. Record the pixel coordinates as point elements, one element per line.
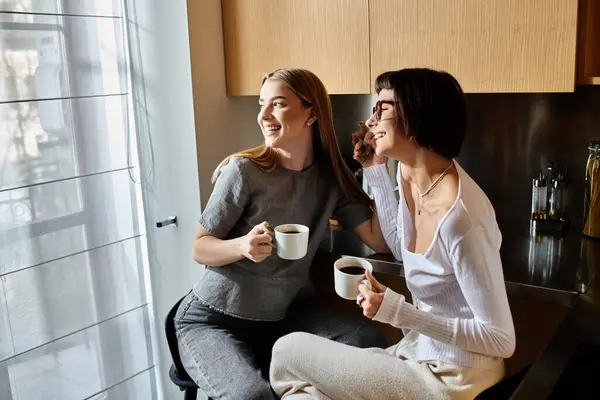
<point>431,107</point>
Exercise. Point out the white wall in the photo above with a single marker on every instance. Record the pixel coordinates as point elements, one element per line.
<point>162,93</point>
<point>223,125</point>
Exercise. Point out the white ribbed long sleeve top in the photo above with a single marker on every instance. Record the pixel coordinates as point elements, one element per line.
<point>460,307</point>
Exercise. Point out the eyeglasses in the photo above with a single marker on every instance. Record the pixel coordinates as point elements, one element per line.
<point>377,110</point>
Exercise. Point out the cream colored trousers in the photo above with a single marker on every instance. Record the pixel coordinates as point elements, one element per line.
<point>306,366</point>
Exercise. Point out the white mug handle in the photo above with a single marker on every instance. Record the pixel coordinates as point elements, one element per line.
<point>366,283</point>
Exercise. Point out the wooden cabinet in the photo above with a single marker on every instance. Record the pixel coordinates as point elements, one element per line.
<point>329,37</point>
<point>589,42</point>
<point>488,45</point>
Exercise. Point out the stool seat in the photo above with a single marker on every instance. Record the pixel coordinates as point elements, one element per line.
<point>177,372</point>
<point>182,383</point>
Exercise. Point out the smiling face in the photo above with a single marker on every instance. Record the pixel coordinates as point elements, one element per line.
<point>420,109</point>
<point>389,136</point>
<point>282,117</point>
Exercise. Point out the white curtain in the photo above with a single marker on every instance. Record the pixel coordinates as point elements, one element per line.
<point>75,313</point>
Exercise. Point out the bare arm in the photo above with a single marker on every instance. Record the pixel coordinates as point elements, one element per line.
<point>210,250</point>
<point>213,251</point>
<point>370,233</point>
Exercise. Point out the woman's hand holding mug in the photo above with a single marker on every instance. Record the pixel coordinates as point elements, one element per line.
<point>257,245</point>
<point>370,298</point>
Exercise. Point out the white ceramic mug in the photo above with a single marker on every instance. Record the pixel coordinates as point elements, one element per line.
<point>291,241</point>
<point>346,284</point>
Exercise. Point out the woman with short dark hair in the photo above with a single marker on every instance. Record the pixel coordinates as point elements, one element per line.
<point>458,328</point>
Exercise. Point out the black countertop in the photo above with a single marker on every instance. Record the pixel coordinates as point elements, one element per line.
<point>563,370</point>
<point>553,262</point>
<point>555,268</point>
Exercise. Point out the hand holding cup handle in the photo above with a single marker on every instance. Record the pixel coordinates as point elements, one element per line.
<point>371,295</point>
<point>360,297</point>
<point>366,283</point>
<point>257,244</point>
<point>271,232</point>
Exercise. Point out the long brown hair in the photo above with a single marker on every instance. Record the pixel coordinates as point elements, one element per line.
<point>311,91</point>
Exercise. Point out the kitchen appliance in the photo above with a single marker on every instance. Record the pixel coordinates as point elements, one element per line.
<point>549,201</point>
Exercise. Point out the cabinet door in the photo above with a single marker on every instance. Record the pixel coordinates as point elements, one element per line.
<point>488,45</point>
<point>328,37</point>
<point>589,42</point>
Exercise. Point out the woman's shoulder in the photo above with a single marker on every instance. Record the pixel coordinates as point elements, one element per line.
<point>237,172</point>
<point>472,210</point>
<point>241,165</point>
<point>474,199</point>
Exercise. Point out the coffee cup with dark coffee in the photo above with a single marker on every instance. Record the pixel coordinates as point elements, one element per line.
<point>291,241</point>
<point>348,274</point>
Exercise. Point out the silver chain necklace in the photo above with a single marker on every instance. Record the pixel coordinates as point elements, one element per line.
<point>431,187</point>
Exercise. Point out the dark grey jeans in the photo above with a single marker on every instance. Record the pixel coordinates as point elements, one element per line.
<point>229,357</point>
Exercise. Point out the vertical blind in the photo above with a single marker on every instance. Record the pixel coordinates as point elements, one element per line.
<point>75,313</point>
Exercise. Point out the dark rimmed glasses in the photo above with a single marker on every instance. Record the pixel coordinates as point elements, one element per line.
<point>377,110</point>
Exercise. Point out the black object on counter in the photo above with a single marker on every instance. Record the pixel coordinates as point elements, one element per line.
<point>548,202</point>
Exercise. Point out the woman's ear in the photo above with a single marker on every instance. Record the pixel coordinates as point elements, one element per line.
<point>311,118</point>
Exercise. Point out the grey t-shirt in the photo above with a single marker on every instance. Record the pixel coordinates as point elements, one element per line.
<point>243,197</point>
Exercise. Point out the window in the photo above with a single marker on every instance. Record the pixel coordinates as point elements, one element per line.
<point>74,315</point>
